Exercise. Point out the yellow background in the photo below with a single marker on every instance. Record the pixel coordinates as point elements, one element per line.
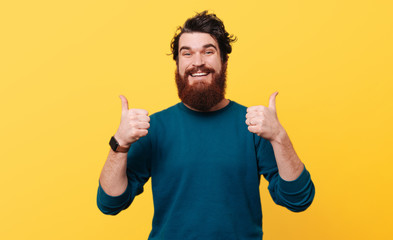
<point>64,63</point>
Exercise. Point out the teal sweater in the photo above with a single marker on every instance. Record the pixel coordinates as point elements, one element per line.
<point>205,170</point>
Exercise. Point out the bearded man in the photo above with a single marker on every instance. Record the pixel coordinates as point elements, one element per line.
<point>205,155</point>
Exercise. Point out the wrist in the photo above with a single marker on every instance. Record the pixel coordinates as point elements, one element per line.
<point>280,136</point>
<point>122,142</point>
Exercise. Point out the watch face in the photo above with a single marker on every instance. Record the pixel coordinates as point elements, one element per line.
<point>113,143</point>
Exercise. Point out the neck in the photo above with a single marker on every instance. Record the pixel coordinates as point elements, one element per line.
<point>223,103</point>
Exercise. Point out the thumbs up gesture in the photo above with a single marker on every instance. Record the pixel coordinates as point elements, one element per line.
<point>263,121</point>
<point>133,124</point>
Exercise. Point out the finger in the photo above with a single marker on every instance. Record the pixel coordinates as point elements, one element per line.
<point>253,114</point>
<point>137,111</point>
<point>258,108</point>
<point>253,121</point>
<point>140,118</point>
<point>253,129</point>
<point>141,132</point>
<point>141,125</point>
<point>272,100</point>
<point>124,103</point>
<point>248,122</point>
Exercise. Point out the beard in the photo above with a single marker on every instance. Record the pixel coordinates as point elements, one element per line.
<point>202,95</point>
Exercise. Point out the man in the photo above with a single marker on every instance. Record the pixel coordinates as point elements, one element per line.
<point>206,154</point>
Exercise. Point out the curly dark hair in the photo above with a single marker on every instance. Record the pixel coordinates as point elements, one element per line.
<point>206,23</point>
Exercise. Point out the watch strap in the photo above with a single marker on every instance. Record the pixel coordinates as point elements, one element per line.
<point>116,146</point>
<point>122,149</point>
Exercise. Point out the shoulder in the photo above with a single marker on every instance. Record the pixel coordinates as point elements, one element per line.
<point>168,112</point>
<point>237,108</point>
<point>166,117</point>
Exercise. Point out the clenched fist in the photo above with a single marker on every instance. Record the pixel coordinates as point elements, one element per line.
<point>133,124</point>
<point>263,121</point>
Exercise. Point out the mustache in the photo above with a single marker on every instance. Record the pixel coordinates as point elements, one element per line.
<point>196,69</point>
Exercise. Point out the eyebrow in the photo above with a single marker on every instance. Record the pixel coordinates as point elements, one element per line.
<point>204,46</point>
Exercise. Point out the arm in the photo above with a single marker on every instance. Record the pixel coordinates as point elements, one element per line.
<point>290,183</point>
<point>263,121</point>
<point>113,178</point>
<point>114,192</point>
<point>296,195</point>
<point>289,165</point>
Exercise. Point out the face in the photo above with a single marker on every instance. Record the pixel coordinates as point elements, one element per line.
<point>200,74</point>
<point>199,57</point>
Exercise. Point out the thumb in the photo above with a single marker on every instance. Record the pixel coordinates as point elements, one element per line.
<point>272,100</point>
<point>124,103</point>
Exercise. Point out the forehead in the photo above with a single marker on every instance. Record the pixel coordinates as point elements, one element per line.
<point>196,40</point>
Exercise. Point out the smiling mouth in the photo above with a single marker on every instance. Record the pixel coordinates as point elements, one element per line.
<point>199,74</point>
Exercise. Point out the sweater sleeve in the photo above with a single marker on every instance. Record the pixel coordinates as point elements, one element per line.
<point>296,195</point>
<point>138,173</point>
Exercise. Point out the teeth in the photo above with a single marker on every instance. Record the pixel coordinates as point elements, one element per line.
<point>198,74</point>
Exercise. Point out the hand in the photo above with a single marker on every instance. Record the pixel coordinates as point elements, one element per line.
<point>263,121</point>
<point>133,124</point>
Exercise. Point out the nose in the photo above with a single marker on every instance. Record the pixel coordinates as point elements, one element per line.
<point>198,60</point>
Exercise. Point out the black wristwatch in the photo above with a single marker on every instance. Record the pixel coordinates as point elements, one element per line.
<point>116,146</point>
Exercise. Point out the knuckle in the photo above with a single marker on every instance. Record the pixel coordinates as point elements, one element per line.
<point>132,134</point>
<point>143,133</point>
<point>132,124</point>
<point>133,111</point>
<point>144,118</point>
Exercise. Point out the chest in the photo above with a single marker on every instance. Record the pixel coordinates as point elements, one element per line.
<point>204,150</point>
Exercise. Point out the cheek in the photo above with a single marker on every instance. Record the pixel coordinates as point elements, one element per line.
<point>216,64</point>
<point>182,68</point>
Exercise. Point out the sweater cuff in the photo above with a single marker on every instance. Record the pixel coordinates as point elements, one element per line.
<point>113,201</point>
<point>297,185</point>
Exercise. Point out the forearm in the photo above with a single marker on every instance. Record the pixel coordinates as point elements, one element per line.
<point>113,178</point>
<point>289,165</point>
<point>117,189</point>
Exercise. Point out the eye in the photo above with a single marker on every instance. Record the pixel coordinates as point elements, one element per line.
<point>186,54</point>
<point>210,51</point>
